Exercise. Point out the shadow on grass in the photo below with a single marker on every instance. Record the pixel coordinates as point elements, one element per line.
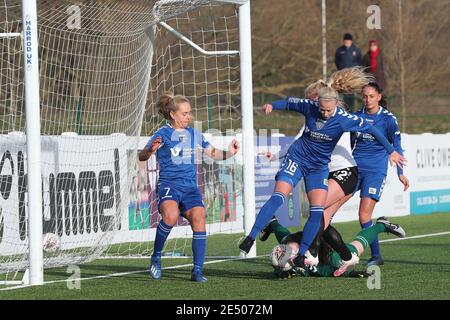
<point>176,274</point>
<point>241,274</point>
<point>88,271</point>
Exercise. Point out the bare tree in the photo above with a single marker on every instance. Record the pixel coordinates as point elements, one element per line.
<point>413,38</point>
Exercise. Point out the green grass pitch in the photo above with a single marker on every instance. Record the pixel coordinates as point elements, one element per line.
<point>417,268</point>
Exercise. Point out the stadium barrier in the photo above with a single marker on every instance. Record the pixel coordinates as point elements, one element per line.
<point>428,171</point>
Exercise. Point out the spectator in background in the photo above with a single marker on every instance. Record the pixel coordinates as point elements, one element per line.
<point>373,62</point>
<point>347,56</point>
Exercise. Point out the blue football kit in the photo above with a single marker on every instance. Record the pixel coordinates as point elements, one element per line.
<point>372,160</point>
<point>309,155</point>
<point>177,170</point>
<point>308,158</point>
<point>371,157</point>
<point>177,181</point>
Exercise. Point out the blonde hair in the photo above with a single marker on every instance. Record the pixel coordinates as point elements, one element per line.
<point>169,102</point>
<point>344,81</point>
<point>313,88</point>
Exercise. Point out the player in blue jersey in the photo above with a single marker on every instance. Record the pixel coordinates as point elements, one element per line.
<point>372,158</point>
<point>342,181</point>
<point>175,145</point>
<point>374,161</point>
<point>308,158</point>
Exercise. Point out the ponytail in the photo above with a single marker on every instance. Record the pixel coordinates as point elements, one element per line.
<point>343,81</point>
<point>350,80</point>
<point>168,103</point>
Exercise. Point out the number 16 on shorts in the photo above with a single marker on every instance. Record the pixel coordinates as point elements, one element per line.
<point>291,167</point>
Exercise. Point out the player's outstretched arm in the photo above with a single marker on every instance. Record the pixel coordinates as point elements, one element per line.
<point>217,154</point>
<point>267,108</point>
<point>290,104</point>
<point>353,123</point>
<point>395,137</point>
<point>397,158</point>
<point>146,153</point>
<point>405,181</point>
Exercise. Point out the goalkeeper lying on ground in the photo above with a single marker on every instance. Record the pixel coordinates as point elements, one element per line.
<point>329,260</point>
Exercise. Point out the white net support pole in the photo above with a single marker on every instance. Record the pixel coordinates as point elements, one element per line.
<point>246,105</point>
<point>248,146</point>
<point>33,131</point>
<point>324,40</point>
<point>10,35</point>
<point>194,45</point>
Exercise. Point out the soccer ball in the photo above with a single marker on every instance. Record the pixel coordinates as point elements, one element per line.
<point>281,257</point>
<point>50,242</point>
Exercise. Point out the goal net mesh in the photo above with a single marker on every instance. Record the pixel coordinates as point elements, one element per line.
<point>103,65</point>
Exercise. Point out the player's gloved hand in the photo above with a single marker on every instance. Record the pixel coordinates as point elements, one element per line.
<point>285,274</point>
<point>359,274</point>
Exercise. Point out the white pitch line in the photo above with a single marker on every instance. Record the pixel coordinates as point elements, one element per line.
<point>417,237</point>
<point>163,257</point>
<point>128,273</point>
<point>208,262</point>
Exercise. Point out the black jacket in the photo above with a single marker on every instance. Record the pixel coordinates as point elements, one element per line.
<point>347,57</point>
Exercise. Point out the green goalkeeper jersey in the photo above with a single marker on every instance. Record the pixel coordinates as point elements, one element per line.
<point>326,270</point>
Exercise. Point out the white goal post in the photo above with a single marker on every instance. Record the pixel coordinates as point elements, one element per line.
<point>91,84</point>
<point>246,105</point>
<point>33,132</point>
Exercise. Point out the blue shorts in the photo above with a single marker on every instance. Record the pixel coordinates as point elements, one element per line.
<point>187,198</point>
<point>371,185</point>
<point>292,172</point>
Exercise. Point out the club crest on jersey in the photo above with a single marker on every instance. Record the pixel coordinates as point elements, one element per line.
<point>182,138</point>
<point>320,124</point>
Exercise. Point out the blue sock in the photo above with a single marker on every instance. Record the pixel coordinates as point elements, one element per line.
<point>375,245</point>
<point>311,228</point>
<point>162,232</point>
<point>266,213</point>
<point>199,250</point>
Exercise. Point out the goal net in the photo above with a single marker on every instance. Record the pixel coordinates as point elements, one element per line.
<point>211,83</point>
<point>103,65</point>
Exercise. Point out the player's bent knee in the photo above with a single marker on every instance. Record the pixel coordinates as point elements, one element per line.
<point>170,220</point>
<point>170,217</point>
<point>198,223</point>
<point>198,226</point>
<point>197,218</point>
